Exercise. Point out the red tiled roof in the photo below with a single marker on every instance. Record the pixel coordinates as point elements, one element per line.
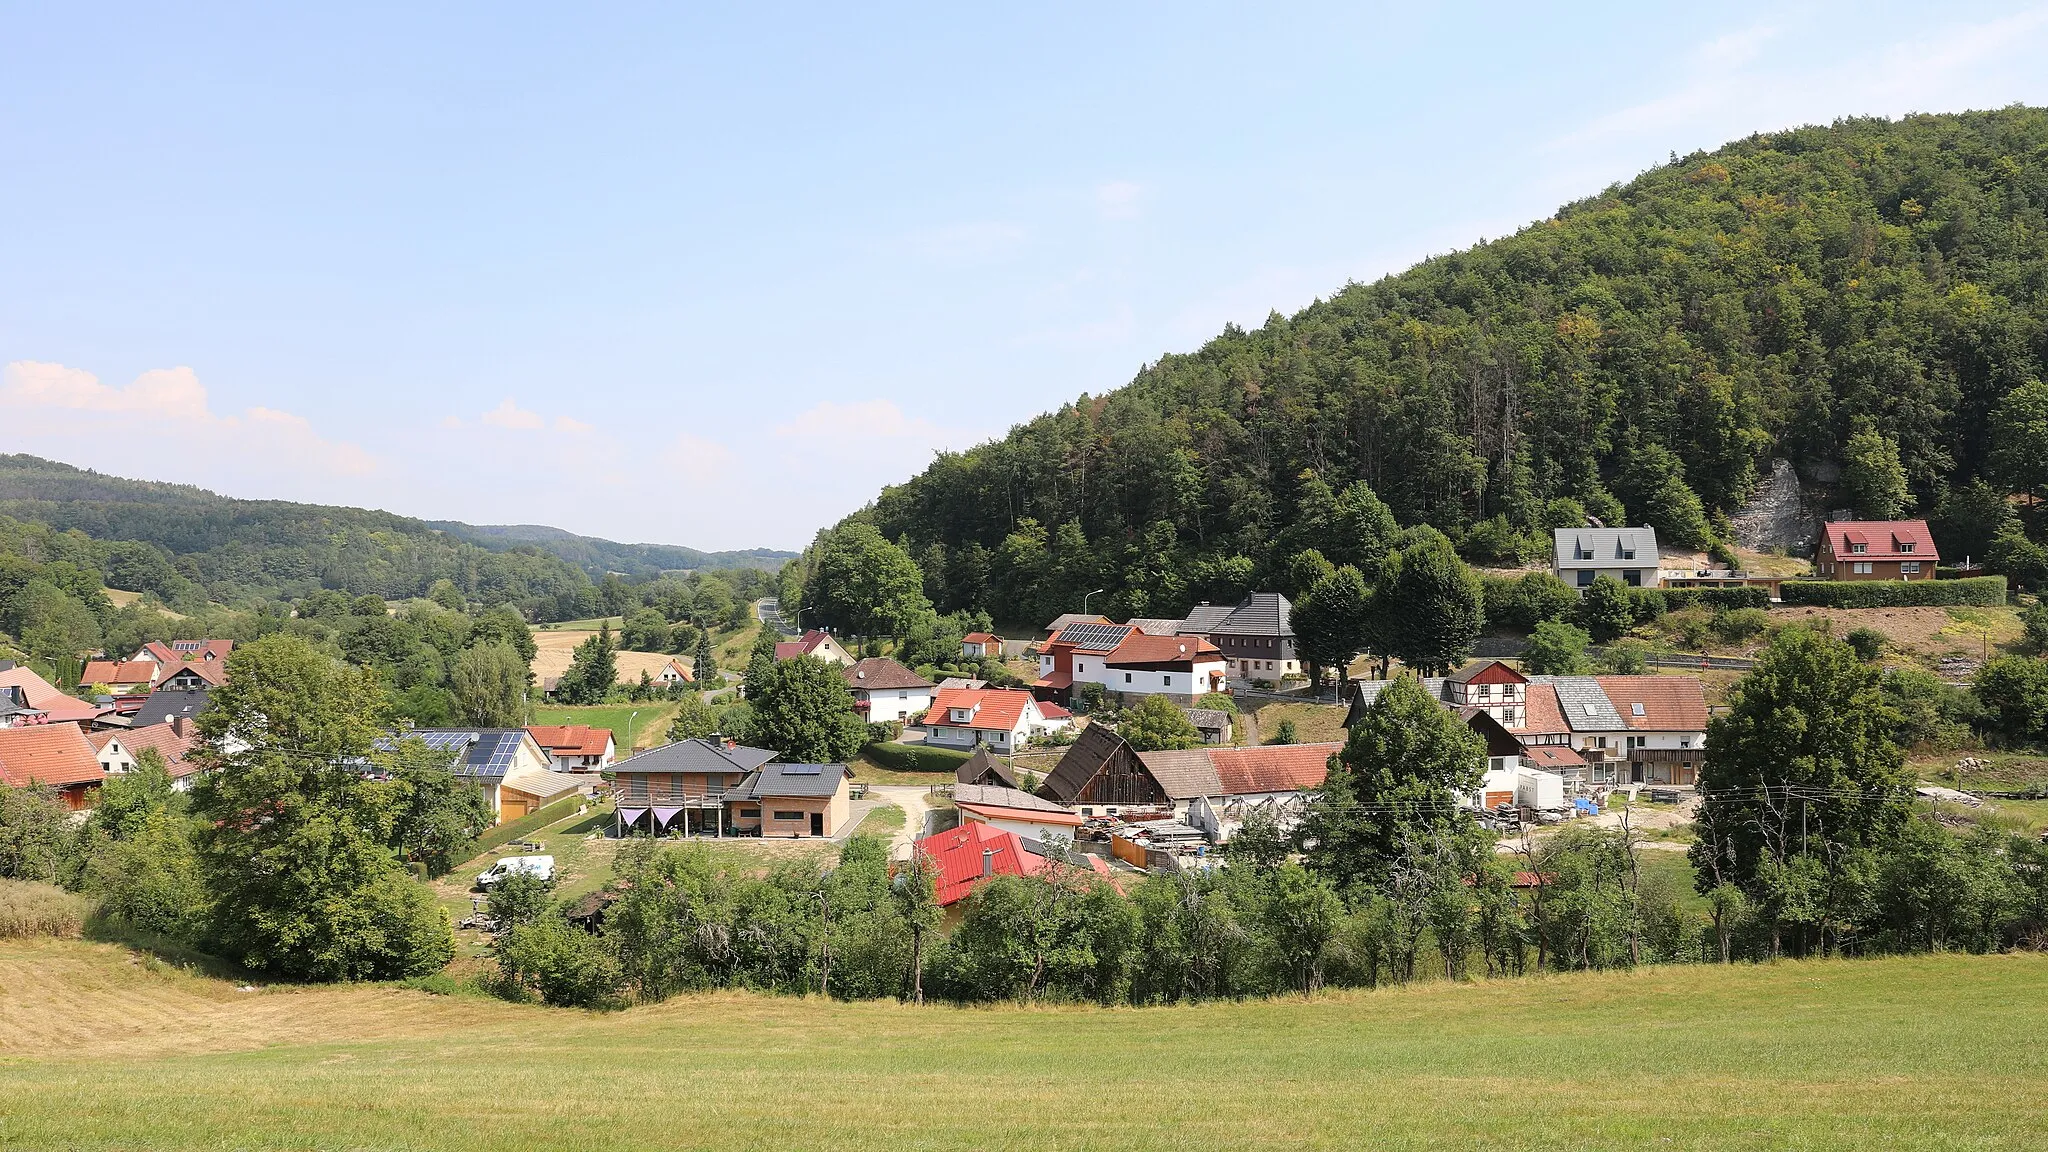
<point>958,858</point>
<point>168,744</point>
<point>190,651</point>
<point>43,696</point>
<point>877,673</point>
<point>1541,711</point>
<point>1055,680</point>
<point>1052,711</point>
<point>1552,756</point>
<point>572,739</point>
<point>1024,815</point>
<point>999,709</point>
<point>1138,648</point>
<point>981,638</point>
<point>121,672</point>
<point>53,754</point>
<point>1881,539</point>
<point>1272,767</point>
<point>214,672</point>
<point>1670,703</point>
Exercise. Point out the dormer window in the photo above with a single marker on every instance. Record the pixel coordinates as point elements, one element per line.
<point>1905,545</point>
<point>1859,547</point>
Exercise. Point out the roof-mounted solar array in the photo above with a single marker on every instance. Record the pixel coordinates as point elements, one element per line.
<point>1095,637</point>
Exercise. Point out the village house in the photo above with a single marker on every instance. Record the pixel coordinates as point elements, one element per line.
<point>56,756</point>
<point>984,768</point>
<point>1067,619</point>
<point>119,752</point>
<point>1213,723</point>
<point>1130,662</point>
<point>177,664</point>
<point>1580,556</point>
<point>673,672</point>
<point>884,690</point>
<point>1256,636</point>
<point>15,710</point>
<point>713,787</point>
<point>1876,550</point>
<point>1233,783</point>
<point>40,702</point>
<point>167,704</point>
<point>814,643</point>
<point>981,646</point>
<point>1031,817</point>
<point>575,747</point>
<point>516,775</point>
<point>1004,719</point>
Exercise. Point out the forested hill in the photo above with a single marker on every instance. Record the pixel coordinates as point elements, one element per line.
<point>189,545</point>
<point>598,556</point>
<point>1865,294</point>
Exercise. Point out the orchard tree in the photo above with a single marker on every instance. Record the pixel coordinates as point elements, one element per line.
<point>1153,724</point>
<point>803,710</point>
<point>1402,774</point>
<point>490,684</point>
<point>295,845</point>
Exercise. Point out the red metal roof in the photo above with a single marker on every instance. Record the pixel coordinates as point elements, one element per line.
<point>53,754</point>
<point>1552,756</point>
<point>995,709</point>
<point>1140,649</point>
<point>1881,540</point>
<point>1272,767</point>
<point>959,855</point>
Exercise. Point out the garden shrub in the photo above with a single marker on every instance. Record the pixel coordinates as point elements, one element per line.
<point>1981,591</point>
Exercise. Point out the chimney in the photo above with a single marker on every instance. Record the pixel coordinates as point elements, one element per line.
<point>178,726</point>
<point>988,861</point>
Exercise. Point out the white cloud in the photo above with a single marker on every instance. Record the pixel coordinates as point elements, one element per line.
<point>1119,200</point>
<point>572,425</point>
<point>511,415</point>
<point>69,413</point>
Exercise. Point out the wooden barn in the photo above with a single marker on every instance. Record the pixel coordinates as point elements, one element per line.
<point>982,768</point>
<point>1102,774</point>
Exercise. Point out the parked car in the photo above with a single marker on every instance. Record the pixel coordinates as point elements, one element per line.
<point>541,867</point>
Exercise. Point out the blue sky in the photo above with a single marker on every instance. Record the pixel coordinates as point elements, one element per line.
<point>713,277</point>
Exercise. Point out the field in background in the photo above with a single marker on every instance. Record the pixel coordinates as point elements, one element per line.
<point>102,1050</point>
<point>648,729</point>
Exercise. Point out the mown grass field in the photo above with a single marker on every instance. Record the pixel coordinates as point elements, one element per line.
<point>101,1050</point>
<point>648,728</point>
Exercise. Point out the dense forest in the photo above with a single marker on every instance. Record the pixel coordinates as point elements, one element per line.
<point>1868,300</point>
<point>188,546</point>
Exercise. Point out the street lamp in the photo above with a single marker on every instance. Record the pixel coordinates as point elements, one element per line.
<point>1084,599</point>
<point>630,717</point>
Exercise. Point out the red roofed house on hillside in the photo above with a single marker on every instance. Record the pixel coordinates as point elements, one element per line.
<point>981,645</point>
<point>1876,550</point>
<point>1004,719</point>
<point>575,747</point>
<point>886,690</point>
<point>119,752</point>
<point>1128,661</point>
<point>975,851</point>
<point>121,676</point>
<point>178,664</point>
<point>57,756</point>
<point>813,643</point>
<point>48,705</point>
<point>674,672</point>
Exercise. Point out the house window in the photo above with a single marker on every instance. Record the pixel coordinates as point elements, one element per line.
<point>1485,691</point>
<point>782,815</point>
<point>750,813</point>
<point>1127,677</point>
<point>1635,742</point>
<point>1909,567</point>
<point>1859,547</point>
<point>714,782</point>
<point>1167,680</point>
<point>1496,763</point>
<point>1585,577</point>
<point>1905,545</point>
<point>1685,741</point>
<point>1861,567</point>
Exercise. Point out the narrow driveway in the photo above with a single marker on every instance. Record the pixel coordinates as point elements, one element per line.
<point>914,800</point>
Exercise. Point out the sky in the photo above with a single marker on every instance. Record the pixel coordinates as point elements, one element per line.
<point>713,276</point>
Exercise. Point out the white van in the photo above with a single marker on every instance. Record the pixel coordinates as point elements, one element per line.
<point>540,867</point>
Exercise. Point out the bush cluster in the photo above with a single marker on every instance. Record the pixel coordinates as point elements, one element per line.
<point>1978,591</point>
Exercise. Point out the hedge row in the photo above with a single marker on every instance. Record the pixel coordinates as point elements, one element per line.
<point>1679,599</point>
<point>1981,591</point>
<point>531,822</point>
<point>915,758</point>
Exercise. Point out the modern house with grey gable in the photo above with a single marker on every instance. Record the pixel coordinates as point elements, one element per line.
<point>1580,556</point>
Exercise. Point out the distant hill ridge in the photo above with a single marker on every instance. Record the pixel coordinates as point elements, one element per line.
<point>236,548</point>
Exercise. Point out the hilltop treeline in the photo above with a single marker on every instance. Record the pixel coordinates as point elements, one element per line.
<point>1868,297</point>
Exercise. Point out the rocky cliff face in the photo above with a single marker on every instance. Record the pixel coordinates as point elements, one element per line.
<point>1777,515</point>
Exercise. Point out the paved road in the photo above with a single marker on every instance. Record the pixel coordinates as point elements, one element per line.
<point>769,609</point>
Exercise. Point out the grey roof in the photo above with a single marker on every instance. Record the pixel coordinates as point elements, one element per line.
<point>1584,703</point>
<point>696,755</point>
<point>1003,798</point>
<point>1066,618</point>
<point>165,703</point>
<point>1208,717</point>
<point>14,700</point>
<point>1184,774</point>
<point>1259,614</point>
<point>485,752</point>
<point>1609,547</point>
<point>1365,692</point>
<point>793,780</point>
<point>1155,626</point>
<point>1203,618</point>
<point>983,766</point>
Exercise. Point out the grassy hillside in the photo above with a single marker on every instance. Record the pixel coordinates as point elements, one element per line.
<point>1643,352</point>
<point>99,1051</point>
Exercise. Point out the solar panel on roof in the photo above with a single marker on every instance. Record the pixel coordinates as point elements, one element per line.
<point>801,769</point>
<point>1094,636</point>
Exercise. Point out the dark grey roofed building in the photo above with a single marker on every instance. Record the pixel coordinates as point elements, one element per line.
<point>1213,723</point>
<point>1256,635</point>
<point>696,755</point>
<point>165,703</point>
<point>1203,617</point>
<point>789,781</point>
